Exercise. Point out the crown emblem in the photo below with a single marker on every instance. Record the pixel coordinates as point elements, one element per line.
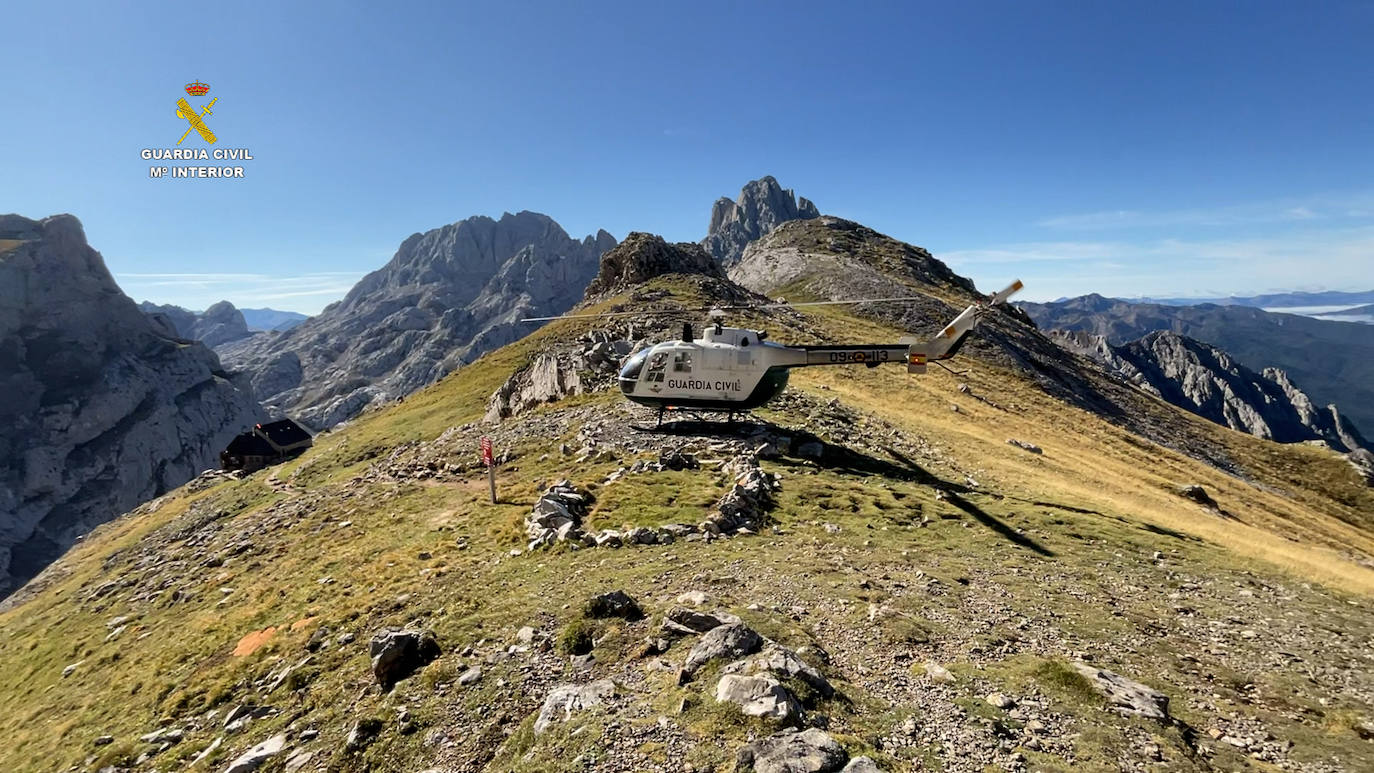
<point>197,88</point>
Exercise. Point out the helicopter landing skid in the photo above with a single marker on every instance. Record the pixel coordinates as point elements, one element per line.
<point>693,426</point>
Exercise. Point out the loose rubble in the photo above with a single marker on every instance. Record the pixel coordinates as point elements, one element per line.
<point>557,517</point>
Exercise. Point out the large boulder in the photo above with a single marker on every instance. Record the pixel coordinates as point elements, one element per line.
<point>759,696</point>
<point>1127,696</point>
<point>565,700</point>
<point>398,654</point>
<point>254,758</point>
<point>808,751</point>
<point>734,640</point>
<point>781,661</point>
<point>681,621</point>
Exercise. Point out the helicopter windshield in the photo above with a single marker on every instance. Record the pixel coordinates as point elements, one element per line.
<point>632,367</point>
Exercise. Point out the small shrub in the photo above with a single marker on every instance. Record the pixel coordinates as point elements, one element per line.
<point>577,637</point>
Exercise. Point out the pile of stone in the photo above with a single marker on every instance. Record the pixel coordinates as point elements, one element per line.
<point>756,681</point>
<point>557,516</point>
<point>744,506</point>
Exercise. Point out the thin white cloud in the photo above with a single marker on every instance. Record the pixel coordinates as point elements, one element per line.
<point>1356,205</point>
<point>1333,258</point>
<point>306,293</point>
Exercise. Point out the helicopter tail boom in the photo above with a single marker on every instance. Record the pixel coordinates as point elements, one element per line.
<point>948,341</point>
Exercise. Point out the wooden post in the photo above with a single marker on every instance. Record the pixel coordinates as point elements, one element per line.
<point>491,466</point>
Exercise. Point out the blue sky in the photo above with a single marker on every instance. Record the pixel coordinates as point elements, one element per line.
<point>1125,148</point>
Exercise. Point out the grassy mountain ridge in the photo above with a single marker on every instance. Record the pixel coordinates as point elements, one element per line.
<point>948,545</point>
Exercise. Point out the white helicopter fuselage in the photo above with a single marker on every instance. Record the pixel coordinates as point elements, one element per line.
<point>733,368</point>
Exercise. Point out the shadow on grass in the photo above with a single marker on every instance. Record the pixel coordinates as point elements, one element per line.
<point>901,467</point>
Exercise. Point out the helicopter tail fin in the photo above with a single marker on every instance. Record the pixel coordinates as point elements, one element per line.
<point>915,357</point>
<point>951,338</point>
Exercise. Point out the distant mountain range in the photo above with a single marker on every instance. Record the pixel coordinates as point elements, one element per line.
<point>272,319</point>
<point>1332,361</point>
<point>222,323</point>
<point>1270,301</point>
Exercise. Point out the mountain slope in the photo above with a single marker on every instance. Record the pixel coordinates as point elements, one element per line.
<point>447,296</point>
<point>102,409</point>
<point>1334,361</point>
<point>906,533</point>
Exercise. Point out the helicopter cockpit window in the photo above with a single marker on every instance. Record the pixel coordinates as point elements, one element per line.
<point>657,364</point>
<point>682,363</point>
<point>632,368</point>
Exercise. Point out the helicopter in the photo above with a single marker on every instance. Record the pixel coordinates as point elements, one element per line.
<point>735,370</point>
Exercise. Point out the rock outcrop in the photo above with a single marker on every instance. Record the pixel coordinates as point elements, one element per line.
<point>762,206</point>
<point>103,409</point>
<point>643,256</point>
<point>1209,382</point>
<point>447,296</point>
<point>219,324</point>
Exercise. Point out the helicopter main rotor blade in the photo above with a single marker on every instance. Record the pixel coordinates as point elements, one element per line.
<point>726,308</point>
<point>825,303</point>
<point>611,314</point>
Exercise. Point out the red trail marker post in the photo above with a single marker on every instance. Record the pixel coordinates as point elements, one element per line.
<point>491,466</point>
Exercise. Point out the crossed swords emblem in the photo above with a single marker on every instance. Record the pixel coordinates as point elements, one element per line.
<point>184,110</point>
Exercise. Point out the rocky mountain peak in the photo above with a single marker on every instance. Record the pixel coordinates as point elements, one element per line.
<point>447,296</point>
<point>220,324</point>
<point>643,256</point>
<point>762,205</point>
<point>103,409</point>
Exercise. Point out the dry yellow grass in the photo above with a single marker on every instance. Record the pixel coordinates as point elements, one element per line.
<point>1092,464</point>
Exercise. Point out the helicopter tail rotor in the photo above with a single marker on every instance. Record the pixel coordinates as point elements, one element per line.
<point>948,341</point>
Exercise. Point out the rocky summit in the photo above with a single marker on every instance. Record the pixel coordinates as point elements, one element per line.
<point>1209,382</point>
<point>762,206</point>
<point>642,257</point>
<point>103,408</point>
<point>447,296</point>
<point>219,324</point>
